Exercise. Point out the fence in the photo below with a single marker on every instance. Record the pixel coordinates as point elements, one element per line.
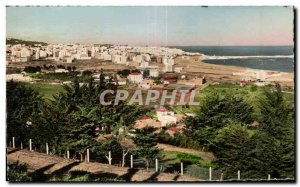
<point>207,174</point>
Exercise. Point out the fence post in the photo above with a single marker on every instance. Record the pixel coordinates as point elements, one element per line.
<point>68,154</point>
<point>21,145</point>
<point>131,161</point>
<point>109,157</point>
<point>88,155</point>
<point>156,165</point>
<point>239,175</point>
<point>181,168</point>
<point>13,140</point>
<point>209,173</point>
<point>221,177</point>
<point>269,177</point>
<point>30,145</point>
<point>47,149</point>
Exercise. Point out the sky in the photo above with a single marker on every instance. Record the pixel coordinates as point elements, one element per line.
<point>153,26</point>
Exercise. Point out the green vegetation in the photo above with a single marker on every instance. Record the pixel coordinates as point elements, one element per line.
<point>68,121</point>
<point>222,125</point>
<point>53,76</point>
<point>249,93</point>
<point>14,41</point>
<point>46,90</point>
<point>74,120</point>
<point>23,106</point>
<point>179,140</point>
<point>17,173</point>
<point>85,77</point>
<point>171,158</point>
<point>215,113</point>
<point>146,142</point>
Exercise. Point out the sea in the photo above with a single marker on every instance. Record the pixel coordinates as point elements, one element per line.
<point>274,58</point>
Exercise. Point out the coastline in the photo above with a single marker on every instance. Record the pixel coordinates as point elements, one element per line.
<point>216,72</point>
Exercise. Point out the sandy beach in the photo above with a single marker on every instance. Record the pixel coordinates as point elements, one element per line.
<point>217,73</point>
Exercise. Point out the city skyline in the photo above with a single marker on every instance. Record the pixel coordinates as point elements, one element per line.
<point>153,26</point>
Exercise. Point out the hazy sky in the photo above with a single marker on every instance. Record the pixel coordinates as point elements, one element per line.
<point>153,25</point>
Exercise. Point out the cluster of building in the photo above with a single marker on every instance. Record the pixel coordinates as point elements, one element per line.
<point>165,119</point>
<point>117,54</point>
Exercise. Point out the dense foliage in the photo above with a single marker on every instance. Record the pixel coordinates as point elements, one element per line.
<point>215,113</point>
<point>17,173</point>
<point>14,41</point>
<point>146,142</point>
<point>223,126</point>
<point>74,120</point>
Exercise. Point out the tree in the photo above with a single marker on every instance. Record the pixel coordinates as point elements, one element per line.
<point>276,116</point>
<point>81,133</point>
<point>227,144</point>
<point>146,74</point>
<point>77,112</point>
<point>32,69</point>
<point>124,72</point>
<point>23,105</point>
<point>271,149</point>
<point>123,138</point>
<point>277,121</point>
<point>216,112</point>
<point>259,157</point>
<point>112,146</point>
<point>146,142</point>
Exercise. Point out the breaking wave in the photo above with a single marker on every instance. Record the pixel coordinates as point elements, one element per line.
<point>206,57</point>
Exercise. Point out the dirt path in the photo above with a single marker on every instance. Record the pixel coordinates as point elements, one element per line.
<point>207,156</point>
<point>53,165</point>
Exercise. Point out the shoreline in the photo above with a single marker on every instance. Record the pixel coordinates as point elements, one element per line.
<point>219,73</point>
<point>269,70</point>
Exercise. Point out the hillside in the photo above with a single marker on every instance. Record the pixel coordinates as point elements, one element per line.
<point>18,41</point>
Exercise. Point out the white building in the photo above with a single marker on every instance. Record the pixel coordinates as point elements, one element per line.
<point>146,57</point>
<point>25,53</point>
<point>168,62</point>
<point>43,54</point>
<point>144,64</point>
<point>138,58</point>
<point>105,56</point>
<point>166,117</point>
<point>69,59</point>
<point>119,59</point>
<point>153,72</point>
<point>61,71</point>
<point>135,77</point>
<point>37,54</point>
<point>178,69</point>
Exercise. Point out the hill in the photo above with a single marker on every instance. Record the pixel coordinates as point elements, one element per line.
<point>13,41</point>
